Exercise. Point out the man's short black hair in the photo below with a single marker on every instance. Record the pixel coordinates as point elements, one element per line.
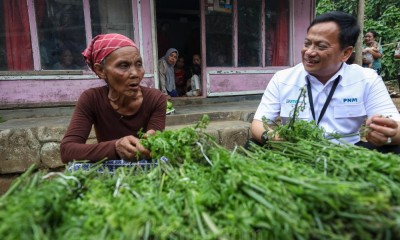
<point>348,26</point>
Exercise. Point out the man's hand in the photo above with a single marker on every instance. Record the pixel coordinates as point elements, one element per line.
<point>383,130</point>
<point>257,129</point>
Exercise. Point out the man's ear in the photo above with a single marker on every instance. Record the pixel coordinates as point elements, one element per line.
<point>99,70</point>
<point>347,53</point>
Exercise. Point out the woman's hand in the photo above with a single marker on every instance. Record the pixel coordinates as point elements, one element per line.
<point>375,54</point>
<point>383,130</point>
<point>148,133</point>
<point>129,148</point>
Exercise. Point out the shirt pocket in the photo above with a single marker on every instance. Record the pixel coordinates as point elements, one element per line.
<point>349,111</point>
<point>288,108</point>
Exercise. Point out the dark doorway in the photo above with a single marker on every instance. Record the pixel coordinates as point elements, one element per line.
<point>178,26</point>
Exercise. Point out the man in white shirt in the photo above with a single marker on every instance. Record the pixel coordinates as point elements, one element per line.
<point>339,96</point>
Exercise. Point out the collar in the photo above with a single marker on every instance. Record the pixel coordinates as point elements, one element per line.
<point>340,73</point>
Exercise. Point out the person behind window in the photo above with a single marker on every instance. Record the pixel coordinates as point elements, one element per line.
<point>180,74</point>
<point>119,110</point>
<point>372,47</point>
<point>221,59</point>
<point>166,73</point>
<point>48,50</point>
<point>196,59</point>
<point>66,61</point>
<point>195,84</point>
<point>194,81</point>
<point>357,93</point>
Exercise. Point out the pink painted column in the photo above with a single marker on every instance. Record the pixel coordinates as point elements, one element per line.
<point>303,13</point>
<point>145,24</point>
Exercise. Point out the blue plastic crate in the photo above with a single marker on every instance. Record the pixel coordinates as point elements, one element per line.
<point>112,165</point>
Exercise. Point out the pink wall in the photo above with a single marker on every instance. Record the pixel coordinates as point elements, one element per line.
<point>239,82</point>
<point>303,15</point>
<point>146,37</point>
<point>18,93</point>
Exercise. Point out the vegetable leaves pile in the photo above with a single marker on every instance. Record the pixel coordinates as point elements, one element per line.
<point>285,190</point>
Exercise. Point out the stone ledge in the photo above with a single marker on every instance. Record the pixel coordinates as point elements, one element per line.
<point>226,133</point>
<point>22,147</point>
<point>24,142</point>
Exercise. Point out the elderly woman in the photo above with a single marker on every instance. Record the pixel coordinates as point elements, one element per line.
<point>166,72</point>
<point>118,110</point>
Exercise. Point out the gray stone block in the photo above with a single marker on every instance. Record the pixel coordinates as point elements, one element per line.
<point>51,134</point>
<point>234,136</point>
<point>50,155</point>
<point>19,149</point>
<point>215,134</point>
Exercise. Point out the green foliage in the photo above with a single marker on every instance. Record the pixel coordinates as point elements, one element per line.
<point>388,27</point>
<point>170,107</point>
<point>349,6</point>
<point>298,129</point>
<point>380,15</point>
<point>179,145</point>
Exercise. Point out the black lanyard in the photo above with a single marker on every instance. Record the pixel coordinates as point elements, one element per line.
<point>310,98</point>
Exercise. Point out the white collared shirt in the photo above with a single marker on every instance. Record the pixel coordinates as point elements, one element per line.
<point>361,93</point>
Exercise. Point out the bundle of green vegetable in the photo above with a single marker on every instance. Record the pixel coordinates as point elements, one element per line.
<point>305,190</point>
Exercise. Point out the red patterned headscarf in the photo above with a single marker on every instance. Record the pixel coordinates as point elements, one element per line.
<point>104,44</point>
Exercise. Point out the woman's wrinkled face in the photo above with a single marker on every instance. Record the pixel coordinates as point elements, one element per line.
<point>172,58</point>
<point>123,70</point>
<point>322,54</point>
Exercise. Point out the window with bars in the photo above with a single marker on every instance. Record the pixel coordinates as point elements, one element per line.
<point>247,33</point>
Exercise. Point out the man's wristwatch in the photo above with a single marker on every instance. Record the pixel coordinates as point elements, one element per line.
<point>264,137</point>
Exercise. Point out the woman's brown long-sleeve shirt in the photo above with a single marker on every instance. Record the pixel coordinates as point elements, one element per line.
<point>94,109</point>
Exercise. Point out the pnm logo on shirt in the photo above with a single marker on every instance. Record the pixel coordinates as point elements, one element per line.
<point>350,100</point>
